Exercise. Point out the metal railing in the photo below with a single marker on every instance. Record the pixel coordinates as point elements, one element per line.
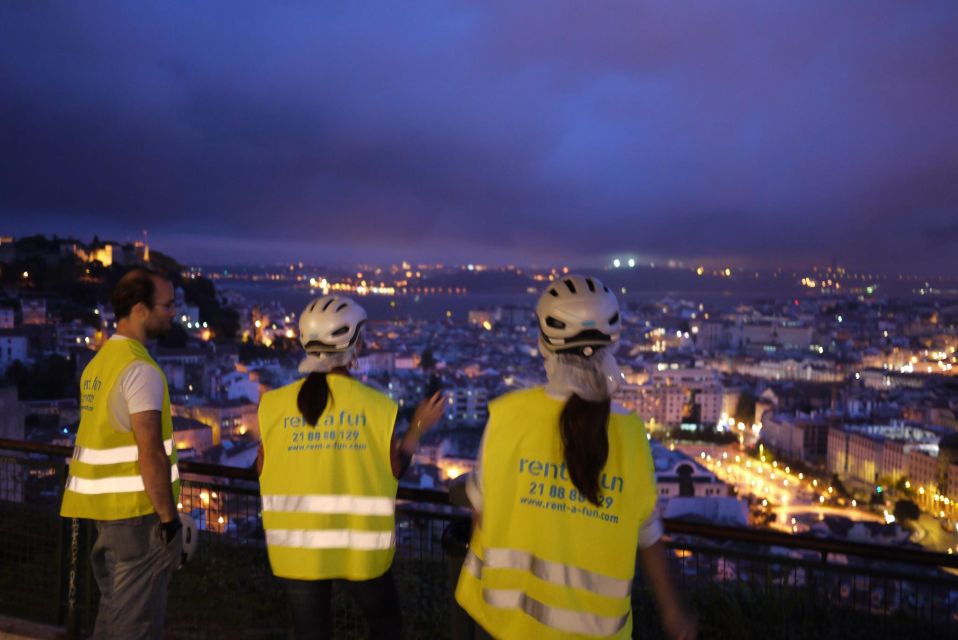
<point>743,582</point>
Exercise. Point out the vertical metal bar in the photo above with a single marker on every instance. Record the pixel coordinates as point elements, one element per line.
<point>918,603</point>
<point>932,603</point>
<point>951,613</point>
<point>886,605</point>
<point>60,553</point>
<point>71,618</point>
<point>88,592</point>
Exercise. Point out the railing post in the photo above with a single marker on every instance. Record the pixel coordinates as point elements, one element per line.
<point>61,564</point>
<point>455,544</point>
<point>71,621</point>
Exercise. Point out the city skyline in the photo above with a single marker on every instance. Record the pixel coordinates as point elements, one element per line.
<point>757,136</point>
<point>803,427</point>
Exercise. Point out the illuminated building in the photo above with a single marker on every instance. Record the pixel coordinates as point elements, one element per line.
<point>192,437</point>
<point>797,437</point>
<point>228,421</point>
<point>868,453</point>
<point>33,311</point>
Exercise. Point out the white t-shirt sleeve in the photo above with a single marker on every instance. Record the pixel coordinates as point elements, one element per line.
<point>650,532</point>
<point>142,388</point>
<point>139,388</point>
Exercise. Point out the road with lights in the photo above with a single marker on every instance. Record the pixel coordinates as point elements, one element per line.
<point>796,502</point>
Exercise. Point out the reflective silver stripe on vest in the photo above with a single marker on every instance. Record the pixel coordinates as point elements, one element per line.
<point>554,572</point>
<point>330,539</point>
<point>565,620</point>
<point>472,564</point>
<point>116,484</point>
<point>355,505</point>
<point>115,455</point>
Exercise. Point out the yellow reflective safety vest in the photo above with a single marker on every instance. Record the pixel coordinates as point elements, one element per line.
<point>329,493</point>
<point>544,561</point>
<point>104,481</point>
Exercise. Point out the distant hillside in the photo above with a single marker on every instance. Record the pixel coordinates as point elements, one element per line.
<point>76,276</point>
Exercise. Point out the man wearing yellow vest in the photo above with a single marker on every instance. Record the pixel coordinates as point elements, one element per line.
<point>123,473</point>
<point>566,491</point>
<point>329,465</point>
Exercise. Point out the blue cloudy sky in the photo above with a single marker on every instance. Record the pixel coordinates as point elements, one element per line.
<point>756,133</point>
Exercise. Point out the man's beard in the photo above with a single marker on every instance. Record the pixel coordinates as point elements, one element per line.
<point>155,331</point>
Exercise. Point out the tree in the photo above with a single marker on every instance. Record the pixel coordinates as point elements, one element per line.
<point>50,378</point>
<point>166,265</point>
<point>175,338</point>
<point>745,408</point>
<point>878,497</point>
<point>202,292</point>
<point>839,486</point>
<point>906,510</point>
<point>427,362</point>
<point>903,486</point>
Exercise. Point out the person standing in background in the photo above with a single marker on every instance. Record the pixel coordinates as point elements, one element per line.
<point>564,491</point>
<point>329,464</point>
<point>123,473</point>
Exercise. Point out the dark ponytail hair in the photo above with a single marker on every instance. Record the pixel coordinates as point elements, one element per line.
<point>584,426</point>
<point>313,397</point>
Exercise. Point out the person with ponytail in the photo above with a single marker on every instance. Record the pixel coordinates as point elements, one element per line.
<point>564,491</point>
<point>329,464</point>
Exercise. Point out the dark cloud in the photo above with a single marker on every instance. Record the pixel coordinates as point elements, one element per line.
<point>757,133</point>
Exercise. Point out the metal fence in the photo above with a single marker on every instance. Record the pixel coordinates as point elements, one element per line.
<point>742,582</point>
<point>796,586</point>
<point>32,536</point>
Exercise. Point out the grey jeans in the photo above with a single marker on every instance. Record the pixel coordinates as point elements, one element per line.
<point>132,564</point>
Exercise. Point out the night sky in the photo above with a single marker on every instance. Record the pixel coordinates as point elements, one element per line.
<point>763,133</point>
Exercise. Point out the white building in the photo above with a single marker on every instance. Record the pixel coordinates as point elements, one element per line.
<point>656,405</point>
<point>468,404</point>
<point>773,335</point>
<point>237,385</point>
<point>12,348</point>
<point>376,362</point>
<point>672,393</point>
<point>796,436</point>
<point>806,370</point>
<point>678,475</point>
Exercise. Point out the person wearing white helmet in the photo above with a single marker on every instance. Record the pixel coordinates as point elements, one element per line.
<point>329,466</point>
<point>565,496</point>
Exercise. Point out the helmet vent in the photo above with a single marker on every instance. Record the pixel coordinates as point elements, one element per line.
<point>606,288</point>
<point>328,302</point>
<point>553,293</point>
<point>555,324</point>
<point>341,307</point>
<point>571,287</point>
<point>312,306</point>
<point>614,318</point>
<point>341,331</point>
<point>590,284</point>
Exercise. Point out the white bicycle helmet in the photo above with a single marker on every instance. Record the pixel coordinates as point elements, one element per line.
<point>330,324</point>
<point>577,314</point>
